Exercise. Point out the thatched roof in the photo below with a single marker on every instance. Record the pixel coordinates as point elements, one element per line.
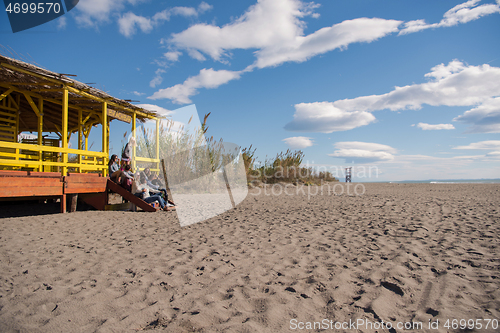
<point>39,82</point>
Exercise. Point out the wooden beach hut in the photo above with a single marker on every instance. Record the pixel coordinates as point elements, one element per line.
<point>39,112</point>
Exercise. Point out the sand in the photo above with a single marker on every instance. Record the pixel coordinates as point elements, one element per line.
<point>403,253</point>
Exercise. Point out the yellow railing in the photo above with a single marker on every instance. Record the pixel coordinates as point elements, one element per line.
<point>149,160</point>
<point>19,157</point>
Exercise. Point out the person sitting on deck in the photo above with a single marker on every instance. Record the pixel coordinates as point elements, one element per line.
<point>114,168</point>
<point>147,174</point>
<point>127,151</point>
<point>141,189</point>
<point>127,177</point>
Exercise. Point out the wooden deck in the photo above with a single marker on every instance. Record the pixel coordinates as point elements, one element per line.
<point>89,187</point>
<point>29,184</point>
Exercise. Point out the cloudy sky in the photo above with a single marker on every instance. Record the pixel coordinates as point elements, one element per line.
<point>411,87</point>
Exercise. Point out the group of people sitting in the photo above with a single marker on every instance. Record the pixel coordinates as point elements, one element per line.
<point>143,184</point>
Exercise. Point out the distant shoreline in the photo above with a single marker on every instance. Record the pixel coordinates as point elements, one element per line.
<point>435,181</point>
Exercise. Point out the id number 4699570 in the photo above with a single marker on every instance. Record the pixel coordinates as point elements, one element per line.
<point>471,324</point>
<point>32,8</point>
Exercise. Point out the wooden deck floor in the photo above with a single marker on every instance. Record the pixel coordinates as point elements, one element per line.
<point>28,184</point>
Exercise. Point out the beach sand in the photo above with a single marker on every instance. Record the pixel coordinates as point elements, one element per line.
<point>399,253</point>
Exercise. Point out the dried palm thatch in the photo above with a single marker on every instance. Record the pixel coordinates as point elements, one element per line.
<point>37,82</point>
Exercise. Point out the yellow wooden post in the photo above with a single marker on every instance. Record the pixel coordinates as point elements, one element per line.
<point>157,143</point>
<point>134,117</point>
<point>79,139</point>
<point>86,134</point>
<point>40,131</point>
<point>107,134</point>
<point>18,115</point>
<point>16,134</point>
<point>64,130</point>
<point>104,121</point>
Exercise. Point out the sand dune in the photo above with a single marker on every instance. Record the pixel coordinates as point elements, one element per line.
<point>398,253</point>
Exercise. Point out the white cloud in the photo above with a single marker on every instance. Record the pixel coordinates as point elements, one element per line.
<point>61,23</point>
<point>155,108</point>
<point>488,145</point>
<point>184,11</point>
<point>196,55</point>
<point>204,7</point>
<point>363,152</point>
<point>91,13</point>
<point>172,55</point>
<point>299,142</point>
<point>207,78</point>
<point>138,93</point>
<point>462,13</point>
<point>429,127</point>
<point>275,29</point>
<point>158,79</point>
<point>370,146</point>
<point>455,84</point>
<point>338,36</point>
<point>326,118</point>
<point>128,22</point>
<point>484,118</point>
<point>494,154</point>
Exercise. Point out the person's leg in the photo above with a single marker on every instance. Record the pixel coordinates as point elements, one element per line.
<point>154,198</point>
<point>161,201</point>
<point>115,175</point>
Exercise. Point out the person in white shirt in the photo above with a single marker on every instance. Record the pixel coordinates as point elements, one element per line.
<point>141,189</point>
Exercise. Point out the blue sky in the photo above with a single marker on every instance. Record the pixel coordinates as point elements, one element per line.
<point>411,88</point>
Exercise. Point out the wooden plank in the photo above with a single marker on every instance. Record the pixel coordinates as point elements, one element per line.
<point>13,173</point>
<point>130,197</point>
<point>84,175</point>
<point>97,200</point>
<point>45,174</point>
<point>85,179</point>
<point>19,184</point>
<point>27,182</point>
<point>119,115</point>
<point>83,189</point>
<point>31,191</point>
<point>84,183</point>
<point>72,184</point>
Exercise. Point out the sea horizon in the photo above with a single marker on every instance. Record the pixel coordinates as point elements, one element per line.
<point>432,181</point>
<point>451,181</point>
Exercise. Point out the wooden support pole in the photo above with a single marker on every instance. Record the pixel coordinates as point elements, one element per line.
<point>86,133</point>
<point>73,202</point>
<point>18,110</point>
<point>63,203</point>
<point>104,123</point>
<point>170,201</point>
<point>158,143</point>
<point>107,135</point>
<point>134,118</point>
<point>64,132</point>
<point>40,131</point>
<point>18,115</point>
<point>79,144</point>
<point>5,94</point>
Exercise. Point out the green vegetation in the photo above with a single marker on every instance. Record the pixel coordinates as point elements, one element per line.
<point>190,155</point>
<point>285,167</point>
